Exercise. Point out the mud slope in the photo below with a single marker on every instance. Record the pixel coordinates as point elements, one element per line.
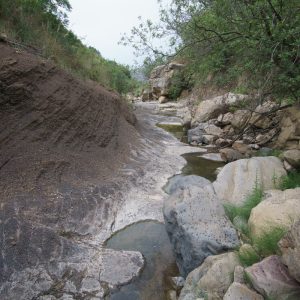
<point>62,142</point>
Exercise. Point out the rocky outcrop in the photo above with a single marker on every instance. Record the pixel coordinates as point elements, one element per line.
<point>212,279</point>
<point>238,291</point>
<point>197,226</point>
<point>212,108</point>
<point>161,79</point>
<point>290,249</point>
<point>238,179</point>
<point>279,209</point>
<point>262,124</point>
<point>271,279</point>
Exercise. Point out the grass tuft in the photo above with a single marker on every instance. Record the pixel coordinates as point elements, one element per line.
<point>267,243</point>
<point>243,211</point>
<point>248,257</point>
<point>290,181</point>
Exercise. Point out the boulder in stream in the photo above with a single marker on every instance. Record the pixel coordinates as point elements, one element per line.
<point>197,226</point>
<point>212,279</point>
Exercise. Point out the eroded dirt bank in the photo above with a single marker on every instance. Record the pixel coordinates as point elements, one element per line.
<point>62,144</point>
<point>74,170</point>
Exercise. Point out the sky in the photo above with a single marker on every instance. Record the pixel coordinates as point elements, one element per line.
<point>101,23</point>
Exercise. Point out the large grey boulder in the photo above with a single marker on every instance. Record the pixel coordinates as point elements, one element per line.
<point>278,209</point>
<point>238,179</point>
<point>211,279</point>
<point>197,226</point>
<point>270,278</point>
<point>212,108</point>
<point>238,291</point>
<point>290,249</point>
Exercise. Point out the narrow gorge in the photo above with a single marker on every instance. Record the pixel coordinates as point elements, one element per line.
<point>177,179</point>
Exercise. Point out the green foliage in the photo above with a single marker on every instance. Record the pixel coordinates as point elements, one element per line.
<point>179,82</point>
<point>231,39</point>
<point>244,210</point>
<point>43,24</point>
<point>267,243</point>
<point>247,278</point>
<point>271,152</point>
<point>248,257</point>
<point>291,181</point>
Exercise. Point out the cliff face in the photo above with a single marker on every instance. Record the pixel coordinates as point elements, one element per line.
<point>62,142</point>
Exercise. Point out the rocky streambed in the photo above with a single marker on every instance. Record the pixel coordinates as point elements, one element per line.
<point>139,224</point>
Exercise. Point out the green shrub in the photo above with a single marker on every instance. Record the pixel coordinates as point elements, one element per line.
<point>244,210</point>
<point>248,258</point>
<point>271,152</point>
<point>267,243</point>
<point>179,82</point>
<point>291,181</point>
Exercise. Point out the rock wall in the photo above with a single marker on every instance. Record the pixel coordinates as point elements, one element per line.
<point>160,82</point>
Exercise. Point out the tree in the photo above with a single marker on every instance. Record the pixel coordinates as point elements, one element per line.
<point>231,38</point>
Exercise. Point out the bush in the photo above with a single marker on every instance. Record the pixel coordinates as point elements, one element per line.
<point>291,181</point>
<point>248,257</point>
<point>243,211</point>
<point>267,243</point>
<point>179,82</point>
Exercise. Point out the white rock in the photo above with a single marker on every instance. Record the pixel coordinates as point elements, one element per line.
<point>212,108</point>
<point>278,209</point>
<point>238,179</point>
<point>213,277</point>
<point>239,291</point>
<point>128,264</point>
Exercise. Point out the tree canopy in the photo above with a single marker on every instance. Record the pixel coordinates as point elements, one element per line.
<point>231,39</point>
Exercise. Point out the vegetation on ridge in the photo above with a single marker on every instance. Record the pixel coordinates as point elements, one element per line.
<point>252,45</point>
<point>43,24</point>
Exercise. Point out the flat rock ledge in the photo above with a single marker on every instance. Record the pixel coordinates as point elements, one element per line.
<point>129,265</point>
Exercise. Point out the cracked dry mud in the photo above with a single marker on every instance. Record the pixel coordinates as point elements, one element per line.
<point>73,170</point>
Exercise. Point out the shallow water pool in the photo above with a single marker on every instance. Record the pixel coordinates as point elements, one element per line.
<point>151,239</point>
